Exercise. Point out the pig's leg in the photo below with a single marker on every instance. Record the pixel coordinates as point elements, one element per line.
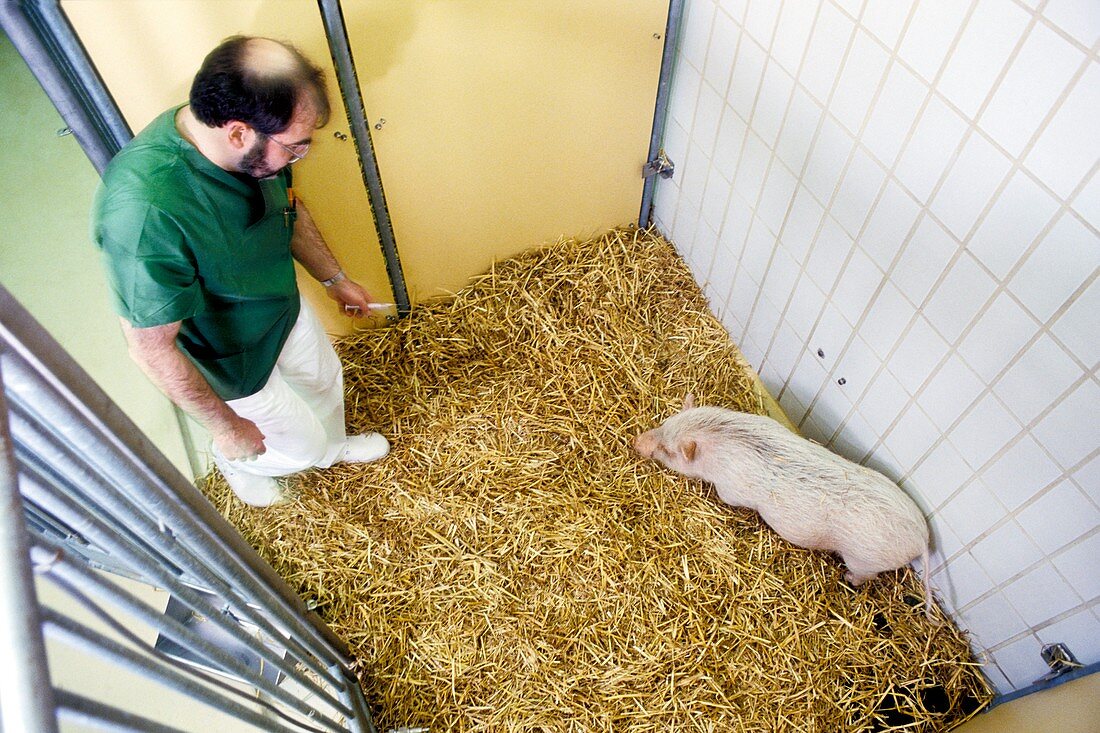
<point>859,573</point>
<point>858,580</point>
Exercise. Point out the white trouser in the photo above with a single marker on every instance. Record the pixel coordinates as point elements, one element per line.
<point>300,410</point>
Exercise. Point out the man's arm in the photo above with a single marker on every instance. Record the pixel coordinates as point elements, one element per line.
<point>155,351</point>
<point>309,248</point>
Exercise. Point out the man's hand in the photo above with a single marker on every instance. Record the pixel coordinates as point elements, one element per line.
<point>156,352</point>
<point>351,296</point>
<point>239,440</point>
<point>309,248</point>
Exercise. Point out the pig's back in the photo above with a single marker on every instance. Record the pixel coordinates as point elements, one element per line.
<point>814,497</point>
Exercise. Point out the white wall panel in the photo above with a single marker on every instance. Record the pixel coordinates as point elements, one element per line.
<point>911,187</point>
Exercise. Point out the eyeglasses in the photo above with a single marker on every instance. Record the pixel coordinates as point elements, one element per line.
<point>297,151</point>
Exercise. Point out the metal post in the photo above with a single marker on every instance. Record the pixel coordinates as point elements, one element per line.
<point>147,491</point>
<point>28,703</point>
<point>664,84</point>
<point>44,38</point>
<point>340,48</point>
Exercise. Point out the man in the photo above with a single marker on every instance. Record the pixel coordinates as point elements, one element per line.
<point>198,226</point>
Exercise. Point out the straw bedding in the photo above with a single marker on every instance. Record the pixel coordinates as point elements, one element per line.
<point>512,565</point>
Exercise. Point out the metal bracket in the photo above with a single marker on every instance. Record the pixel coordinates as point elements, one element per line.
<point>1060,660</point>
<point>660,165</point>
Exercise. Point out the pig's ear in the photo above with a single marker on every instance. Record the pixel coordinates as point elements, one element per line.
<point>689,401</point>
<point>688,449</point>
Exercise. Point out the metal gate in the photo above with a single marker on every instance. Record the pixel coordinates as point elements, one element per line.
<point>84,491</point>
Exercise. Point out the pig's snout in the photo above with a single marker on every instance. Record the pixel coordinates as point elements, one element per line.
<point>645,444</point>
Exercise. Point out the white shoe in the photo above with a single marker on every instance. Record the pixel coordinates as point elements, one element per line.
<point>251,488</point>
<point>364,448</point>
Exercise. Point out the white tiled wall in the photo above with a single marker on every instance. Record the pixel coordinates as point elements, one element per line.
<point>893,206</point>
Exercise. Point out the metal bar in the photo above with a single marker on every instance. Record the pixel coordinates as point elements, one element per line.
<point>353,698</point>
<point>80,636</point>
<point>51,558</point>
<point>18,20</point>
<point>167,660</point>
<point>340,48</point>
<point>79,709</point>
<point>40,522</point>
<point>69,511</point>
<point>40,398</point>
<point>64,391</point>
<point>115,517</point>
<point>28,701</point>
<point>54,27</point>
<point>660,112</point>
<point>41,454</point>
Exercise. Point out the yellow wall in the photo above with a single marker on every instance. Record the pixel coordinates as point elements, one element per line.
<point>507,124</point>
<point>1073,707</point>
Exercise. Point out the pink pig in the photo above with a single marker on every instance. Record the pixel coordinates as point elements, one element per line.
<point>813,498</point>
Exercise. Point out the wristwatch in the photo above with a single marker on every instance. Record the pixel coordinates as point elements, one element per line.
<point>338,277</point>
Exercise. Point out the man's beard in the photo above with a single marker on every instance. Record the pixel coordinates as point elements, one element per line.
<point>254,164</point>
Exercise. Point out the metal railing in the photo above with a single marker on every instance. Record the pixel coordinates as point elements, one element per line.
<point>82,490</point>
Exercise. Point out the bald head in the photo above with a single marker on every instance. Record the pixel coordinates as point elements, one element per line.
<point>260,82</point>
<point>267,58</point>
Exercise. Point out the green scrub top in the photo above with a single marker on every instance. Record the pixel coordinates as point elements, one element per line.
<point>184,240</point>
